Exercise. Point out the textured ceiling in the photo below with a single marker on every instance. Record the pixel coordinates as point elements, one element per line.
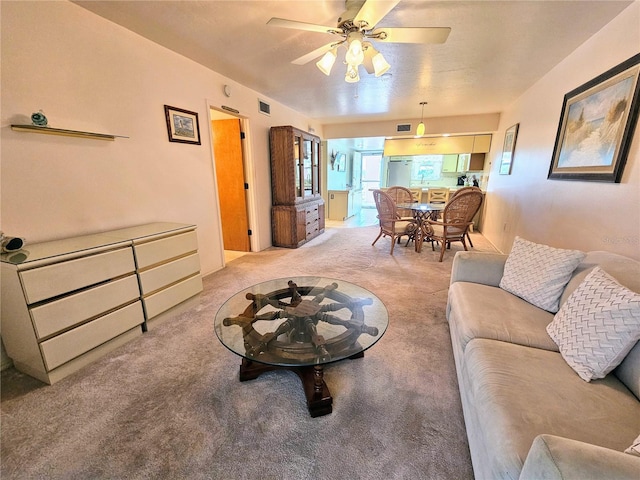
<point>495,51</point>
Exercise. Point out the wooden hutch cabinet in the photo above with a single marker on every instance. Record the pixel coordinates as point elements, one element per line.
<point>297,214</point>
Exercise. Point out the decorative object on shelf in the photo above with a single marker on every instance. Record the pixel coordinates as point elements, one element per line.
<point>38,118</point>
<point>10,244</point>
<point>508,149</point>
<point>182,125</point>
<point>420,129</point>
<point>596,127</point>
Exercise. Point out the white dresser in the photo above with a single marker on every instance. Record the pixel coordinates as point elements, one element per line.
<point>67,302</point>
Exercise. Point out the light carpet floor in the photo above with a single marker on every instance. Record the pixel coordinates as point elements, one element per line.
<point>169,404</point>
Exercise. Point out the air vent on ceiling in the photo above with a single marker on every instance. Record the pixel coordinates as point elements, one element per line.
<point>264,107</point>
<point>403,127</point>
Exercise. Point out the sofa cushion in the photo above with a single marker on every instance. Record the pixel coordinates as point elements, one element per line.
<point>634,448</point>
<point>539,273</point>
<point>597,326</point>
<point>520,392</point>
<point>625,270</point>
<point>482,311</point>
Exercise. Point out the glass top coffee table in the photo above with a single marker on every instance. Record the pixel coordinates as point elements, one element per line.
<point>300,324</point>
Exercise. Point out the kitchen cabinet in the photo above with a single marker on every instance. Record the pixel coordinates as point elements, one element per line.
<point>450,164</point>
<point>344,204</point>
<point>298,208</point>
<point>463,163</point>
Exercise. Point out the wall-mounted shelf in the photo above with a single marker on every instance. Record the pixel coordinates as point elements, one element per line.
<point>68,133</point>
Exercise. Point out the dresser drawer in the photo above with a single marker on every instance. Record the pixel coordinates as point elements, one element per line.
<point>165,299</point>
<point>59,278</point>
<point>158,251</point>
<point>56,316</point>
<point>312,230</point>
<point>168,273</point>
<point>73,343</point>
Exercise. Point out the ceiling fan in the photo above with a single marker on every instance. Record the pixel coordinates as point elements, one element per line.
<point>356,26</point>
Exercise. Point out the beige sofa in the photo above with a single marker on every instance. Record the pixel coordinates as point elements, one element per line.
<point>528,415</point>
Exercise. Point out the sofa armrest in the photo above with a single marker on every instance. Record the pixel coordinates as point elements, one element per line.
<point>478,267</point>
<point>552,457</point>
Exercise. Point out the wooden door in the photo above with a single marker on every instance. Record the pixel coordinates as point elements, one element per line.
<point>227,151</point>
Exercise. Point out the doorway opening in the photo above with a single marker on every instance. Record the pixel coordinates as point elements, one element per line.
<point>371,176</point>
<point>232,184</point>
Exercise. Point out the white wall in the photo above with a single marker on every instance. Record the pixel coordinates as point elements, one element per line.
<point>566,214</point>
<point>87,73</point>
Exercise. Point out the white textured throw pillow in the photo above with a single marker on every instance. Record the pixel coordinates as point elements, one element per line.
<point>634,449</point>
<point>597,326</point>
<point>538,273</point>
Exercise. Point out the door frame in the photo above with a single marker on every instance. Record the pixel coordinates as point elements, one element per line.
<point>249,173</point>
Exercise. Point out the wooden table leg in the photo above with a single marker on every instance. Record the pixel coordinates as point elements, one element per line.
<point>319,399</point>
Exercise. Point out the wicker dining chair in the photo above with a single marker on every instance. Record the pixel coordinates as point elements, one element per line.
<point>466,189</point>
<point>391,224</point>
<point>401,195</point>
<point>457,216</point>
<point>438,195</point>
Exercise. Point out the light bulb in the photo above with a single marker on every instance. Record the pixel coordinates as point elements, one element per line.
<point>355,54</point>
<point>326,62</point>
<point>420,130</point>
<point>352,75</point>
<point>380,65</point>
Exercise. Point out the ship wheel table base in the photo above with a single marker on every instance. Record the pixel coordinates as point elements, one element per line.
<point>319,399</point>
<point>300,329</point>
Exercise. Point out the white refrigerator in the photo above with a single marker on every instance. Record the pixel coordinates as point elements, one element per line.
<point>399,173</point>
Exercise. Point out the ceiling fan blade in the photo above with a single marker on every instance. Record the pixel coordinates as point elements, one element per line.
<point>373,11</point>
<point>314,54</point>
<point>411,34</point>
<point>310,27</point>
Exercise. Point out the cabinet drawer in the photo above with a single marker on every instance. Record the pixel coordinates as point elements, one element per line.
<point>158,277</point>
<point>64,313</point>
<point>73,343</point>
<point>52,280</point>
<point>312,218</point>
<point>166,248</point>
<point>312,228</point>
<point>165,299</point>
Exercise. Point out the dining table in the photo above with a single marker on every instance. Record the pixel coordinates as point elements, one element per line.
<point>421,212</point>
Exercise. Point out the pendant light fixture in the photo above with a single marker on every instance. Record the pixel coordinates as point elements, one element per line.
<point>420,129</point>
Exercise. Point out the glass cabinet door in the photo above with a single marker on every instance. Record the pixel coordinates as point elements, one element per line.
<point>315,171</point>
<point>307,152</point>
<point>297,141</point>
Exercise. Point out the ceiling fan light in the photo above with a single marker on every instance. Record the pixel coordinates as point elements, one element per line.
<point>380,65</point>
<point>355,53</point>
<point>325,64</point>
<point>352,75</point>
<point>420,129</point>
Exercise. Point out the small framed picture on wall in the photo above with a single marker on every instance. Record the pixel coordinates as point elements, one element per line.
<point>510,137</point>
<point>182,125</point>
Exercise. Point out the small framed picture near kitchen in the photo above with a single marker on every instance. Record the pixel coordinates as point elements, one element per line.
<point>182,125</point>
<point>508,149</point>
<point>596,126</point>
